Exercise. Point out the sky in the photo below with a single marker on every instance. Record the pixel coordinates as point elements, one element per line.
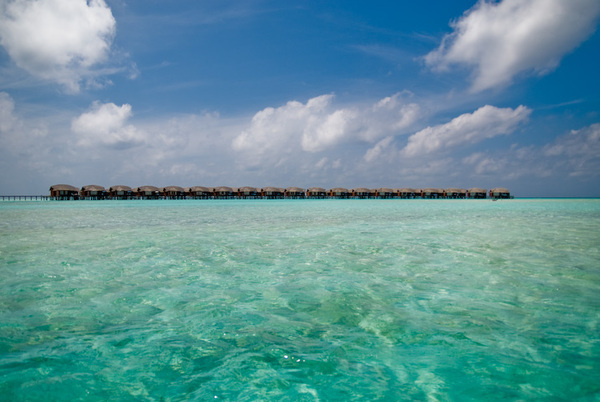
<point>303,93</point>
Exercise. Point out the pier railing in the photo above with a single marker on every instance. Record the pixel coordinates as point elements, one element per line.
<point>25,197</point>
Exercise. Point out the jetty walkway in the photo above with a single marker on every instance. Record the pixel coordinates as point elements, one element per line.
<point>25,198</point>
<point>121,192</point>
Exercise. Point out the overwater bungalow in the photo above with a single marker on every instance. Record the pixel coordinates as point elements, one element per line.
<point>407,192</point>
<point>272,192</point>
<point>223,192</point>
<point>362,192</point>
<point>173,192</point>
<point>477,193</point>
<point>248,192</point>
<point>385,193</point>
<point>199,192</point>
<point>455,193</point>
<point>339,192</point>
<point>432,193</point>
<point>64,192</point>
<point>93,192</point>
<point>147,192</point>
<point>499,192</point>
<point>316,192</point>
<point>120,192</point>
<point>295,192</point>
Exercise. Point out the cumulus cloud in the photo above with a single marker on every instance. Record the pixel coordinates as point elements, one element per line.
<point>469,128</point>
<point>318,125</point>
<point>499,40</point>
<point>57,40</point>
<point>105,124</point>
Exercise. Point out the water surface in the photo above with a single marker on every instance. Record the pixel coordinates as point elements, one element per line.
<point>300,300</point>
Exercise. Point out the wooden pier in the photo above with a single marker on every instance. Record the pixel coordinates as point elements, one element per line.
<point>64,192</point>
<point>24,197</point>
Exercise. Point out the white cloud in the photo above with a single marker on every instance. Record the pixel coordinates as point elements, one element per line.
<point>318,125</point>
<point>391,115</point>
<point>484,164</point>
<point>379,150</point>
<point>321,132</point>
<point>7,107</point>
<point>276,130</point>
<point>469,128</point>
<point>575,154</point>
<point>17,136</point>
<point>579,151</point>
<point>321,163</point>
<point>24,147</point>
<point>57,40</point>
<point>36,151</point>
<point>105,124</point>
<point>502,39</point>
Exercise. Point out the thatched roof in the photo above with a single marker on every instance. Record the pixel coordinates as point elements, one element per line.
<point>223,189</point>
<point>294,190</point>
<point>317,190</point>
<point>92,187</point>
<point>339,190</point>
<point>119,188</point>
<point>456,190</point>
<point>477,190</point>
<point>272,190</point>
<point>63,187</point>
<point>498,190</point>
<point>247,189</point>
<point>432,191</point>
<point>199,189</point>
<point>146,189</point>
<point>362,190</point>
<point>172,189</point>
<point>385,190</point>
<point>406,190</point>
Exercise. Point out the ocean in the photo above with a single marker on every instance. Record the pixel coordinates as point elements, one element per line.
<point>300,300</point>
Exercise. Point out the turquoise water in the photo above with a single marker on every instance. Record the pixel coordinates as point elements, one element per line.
<point>315,300</point>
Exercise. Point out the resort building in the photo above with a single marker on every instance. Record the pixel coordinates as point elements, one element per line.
<point>64,192</point>
<point>362,192</point>
<point>295,192</point>
<point>272,192</point>
<point>199,192</point>
<point>93,192</point>
<point>339,192</point>
<point>173,192</point>
<point>499,192</point>
<point>316,192</point>
<point>223,192</point>
<point>432,193</point>
<point>385,193</point>
<point>407,192</point>
<point>120,192</point>
<point>147,192</point>
<point>477,193</point>
<point>455,193</point>
<point>248,192</point>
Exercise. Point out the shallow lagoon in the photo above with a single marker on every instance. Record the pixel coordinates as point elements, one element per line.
<point>300,300</point>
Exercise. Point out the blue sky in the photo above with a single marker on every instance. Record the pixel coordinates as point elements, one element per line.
<point>301,93</point>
